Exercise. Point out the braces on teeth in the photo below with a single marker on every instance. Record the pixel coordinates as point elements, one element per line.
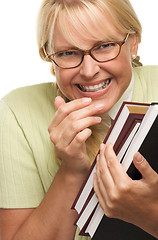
<point>95,87</point>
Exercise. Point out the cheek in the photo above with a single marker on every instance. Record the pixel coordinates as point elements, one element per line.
<point>64,82</point>
<point>126,57</point>
<point>121,70</point>
<point>62,78</point>
<point>122,67</point>
<point>61,82</point>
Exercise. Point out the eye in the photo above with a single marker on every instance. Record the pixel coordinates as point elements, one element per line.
<point>67,53</point>
<point>106,46</point>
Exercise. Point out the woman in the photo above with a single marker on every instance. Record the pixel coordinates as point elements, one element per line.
<point>92,46</point>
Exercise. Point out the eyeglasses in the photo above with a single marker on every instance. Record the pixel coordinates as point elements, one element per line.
<point>72,58</point>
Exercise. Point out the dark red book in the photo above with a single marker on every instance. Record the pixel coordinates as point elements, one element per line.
<point>146,142</point>
<point>128,116</point>
<point>92,201</point>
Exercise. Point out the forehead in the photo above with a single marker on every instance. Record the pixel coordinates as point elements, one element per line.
<point>83,27</point>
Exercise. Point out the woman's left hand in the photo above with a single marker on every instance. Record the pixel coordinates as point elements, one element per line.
<point>134,201</point>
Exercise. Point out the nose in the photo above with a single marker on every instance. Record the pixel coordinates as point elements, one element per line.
<point>89,67</point>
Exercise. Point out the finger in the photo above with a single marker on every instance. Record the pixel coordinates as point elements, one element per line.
<point>76,127</point>
<point>75,130</point>
<point>99,172</point>
<point>116,170</point>
<point>81,138</point>
<point>143,167</point>
<point>77,147</point>
<point>103,182</point>
<point>65,109</point>
<point>58,102</point>
<point>76,109</point>
<point>96,186</point>
<point>103,172</point>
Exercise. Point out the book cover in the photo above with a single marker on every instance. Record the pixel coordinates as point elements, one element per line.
<point>115,229</point>
<point>90,205</point>
<point>146,142</point>
<point>119,130</point>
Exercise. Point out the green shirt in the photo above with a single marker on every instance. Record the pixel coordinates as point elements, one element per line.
<point>26,153</point>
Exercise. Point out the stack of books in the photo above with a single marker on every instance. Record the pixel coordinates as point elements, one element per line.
<point>135,128</point>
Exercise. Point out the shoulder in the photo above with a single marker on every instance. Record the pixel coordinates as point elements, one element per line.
<point>145,83</point>
<point>34,98</point>
<point>39,92</point>
<point>30,106</point>
<point>146,72</point>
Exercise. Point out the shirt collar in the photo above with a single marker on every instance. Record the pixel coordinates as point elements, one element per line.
<point>127,96</point>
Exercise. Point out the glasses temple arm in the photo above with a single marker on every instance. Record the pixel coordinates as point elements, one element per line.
<point>45,53</point>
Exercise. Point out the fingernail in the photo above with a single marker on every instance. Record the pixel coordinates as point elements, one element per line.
<point>139,158</point>
<point>86,100</point>
<point>99,106</point>
<point>98,119</point>
<point>97,157</point>
<point>102,146</point>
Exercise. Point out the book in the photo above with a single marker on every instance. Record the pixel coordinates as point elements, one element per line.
<point>115,229</point>
<point>144,141</point>
<point>134,144</point>
<point>124,126</point>
<point>117,134</point>
<point>92,202</point>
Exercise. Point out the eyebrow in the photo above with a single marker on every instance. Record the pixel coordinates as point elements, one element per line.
<point>62,49</point>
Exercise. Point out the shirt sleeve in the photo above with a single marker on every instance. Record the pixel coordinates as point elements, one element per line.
<point>20,183</point>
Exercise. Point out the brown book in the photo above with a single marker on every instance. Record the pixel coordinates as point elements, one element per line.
<point>144,141</point>
<point>129,116</point>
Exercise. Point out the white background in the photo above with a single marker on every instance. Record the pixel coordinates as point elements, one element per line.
<point>20,64</point>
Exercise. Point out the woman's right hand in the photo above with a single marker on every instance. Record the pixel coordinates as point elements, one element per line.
<point>69,131</point>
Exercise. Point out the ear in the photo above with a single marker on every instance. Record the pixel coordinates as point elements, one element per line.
<point>133,44</point>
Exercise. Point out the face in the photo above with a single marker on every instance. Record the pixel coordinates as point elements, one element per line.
<point>103,82</point>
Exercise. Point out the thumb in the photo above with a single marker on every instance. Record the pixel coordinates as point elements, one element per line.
<point>143,167</point>
<point>58,102</point>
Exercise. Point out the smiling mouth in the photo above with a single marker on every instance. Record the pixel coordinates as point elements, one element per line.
<point>96,87</point>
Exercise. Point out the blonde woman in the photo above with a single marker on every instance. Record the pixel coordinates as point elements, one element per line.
<point>50,133</point>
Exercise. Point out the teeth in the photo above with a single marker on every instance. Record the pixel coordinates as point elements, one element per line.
<point>95,87</point>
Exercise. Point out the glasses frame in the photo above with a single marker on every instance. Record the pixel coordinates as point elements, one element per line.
<point>86,52</point>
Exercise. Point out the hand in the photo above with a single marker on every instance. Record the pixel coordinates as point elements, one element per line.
<point>121,197</point>
<point>69,131</point>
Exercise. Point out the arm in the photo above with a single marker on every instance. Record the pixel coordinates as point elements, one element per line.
<point>54,219</point>
<point>120,196</point>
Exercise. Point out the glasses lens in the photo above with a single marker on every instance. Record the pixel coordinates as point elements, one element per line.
<point>73,58</point>
<point>106,51</point>
<point>68,59</point>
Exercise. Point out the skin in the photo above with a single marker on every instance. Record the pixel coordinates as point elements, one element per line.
<point>90,72</point>
<point>53,219</point>
<point>120,196</point>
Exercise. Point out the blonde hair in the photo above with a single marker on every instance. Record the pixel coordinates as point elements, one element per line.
<point>64,12</point>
